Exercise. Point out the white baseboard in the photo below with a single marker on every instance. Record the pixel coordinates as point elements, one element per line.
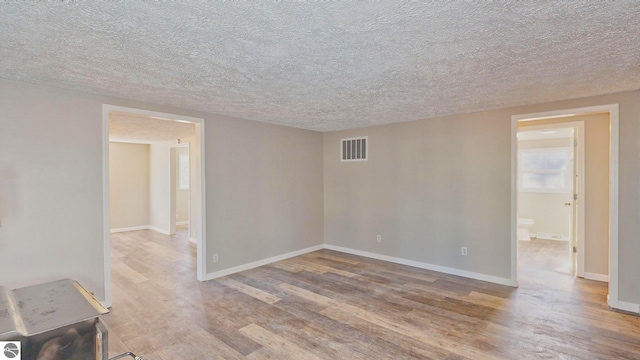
<point>596,277</point>
<point>132,228</point>
<point>193,240</point>
<point>144,227</point>
<point>624,306</point>
<point>421,265</point>
<point>157,229</point>
<point>251,265</point>
<point>182,222</point>
<point>550,236</point>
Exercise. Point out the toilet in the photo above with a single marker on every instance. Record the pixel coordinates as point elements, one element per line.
<point>524,225</point>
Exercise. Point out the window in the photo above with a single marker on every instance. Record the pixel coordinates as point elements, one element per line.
<point>353,149</point>
<point>545,170</point>
<point>183,171</point>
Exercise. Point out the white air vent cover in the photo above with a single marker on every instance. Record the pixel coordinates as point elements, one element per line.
<point>354,149</point>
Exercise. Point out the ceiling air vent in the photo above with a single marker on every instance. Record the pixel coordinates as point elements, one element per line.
<point>354,149</point>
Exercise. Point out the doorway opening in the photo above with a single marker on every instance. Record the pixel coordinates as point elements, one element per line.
<point>550,200</point>
<point>589,256</point>
<point>157,183</point>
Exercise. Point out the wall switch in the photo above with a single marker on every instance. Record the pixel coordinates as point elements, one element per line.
<point>379,238</point>
<point>215,257</point>
<point>463,251</point>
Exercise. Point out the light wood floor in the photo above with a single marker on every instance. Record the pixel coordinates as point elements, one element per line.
<point>329,305</point>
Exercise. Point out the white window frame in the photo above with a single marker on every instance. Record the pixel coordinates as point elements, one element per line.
<point>568,172</point>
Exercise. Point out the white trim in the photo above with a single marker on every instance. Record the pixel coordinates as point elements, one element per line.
<point>149,227</point>
<point>193,240</point>
<point>131,228</point>
<point>580,212</point>
<point>106,231</point>
<point>626,306</point>
<point>545,237</point>
<point>255,264</point>
<point>426,266</point>
<point>596,277</point>
<point>201,231</point>
<point>160,230</point>
<point>613,110</point>
<point>565,112</point>
<point>614,159</point>
<point>173,191</point>
<point>201,216</point>
<point>178,223</point>
<point>142,142</point>
<point>514,204</point>
<point>401,261</point>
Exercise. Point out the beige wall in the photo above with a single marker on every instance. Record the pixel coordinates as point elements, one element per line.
<point>128,185</point>
<point>434,185</point>
<point>50,186</point>
<point>547,209</point>
<point>264,186</point>
<point>264,191</point>
<point>596,134</point>
<point>429,188</point>
<point>182,196</point>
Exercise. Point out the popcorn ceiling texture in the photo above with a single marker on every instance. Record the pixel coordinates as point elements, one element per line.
<point>326,65</point>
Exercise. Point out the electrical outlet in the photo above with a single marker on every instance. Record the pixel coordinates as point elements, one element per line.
<point>379,238</point>
<point>463,251</point>
<point>215,257</point>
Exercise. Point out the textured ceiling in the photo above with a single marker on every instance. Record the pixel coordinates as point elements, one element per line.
<point>125,127</point>
<point>326,65</point>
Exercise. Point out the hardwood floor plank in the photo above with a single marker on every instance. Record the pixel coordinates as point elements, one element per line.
<point>338,258</point>
<point>132,275</point>
<point>251,291</point>
<point>329,305</point>
<point>280,347</point>
<point>307,295</point>
<point>211,347</point>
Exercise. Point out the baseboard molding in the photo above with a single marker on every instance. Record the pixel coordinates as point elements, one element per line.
<point>624,306</point>
<point>426,266</point>
<point>596,277</point>
<point>193,240</point>
<point>132,228</point>
<point>182,222</point>
<point>144,227</point>
<point>550,236</point>
<point>251,265</point>
<point>157,229</point>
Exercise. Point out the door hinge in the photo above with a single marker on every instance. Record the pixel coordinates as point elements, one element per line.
<point>575,196</point>
<point>575,143</point>
<point>575,249</point>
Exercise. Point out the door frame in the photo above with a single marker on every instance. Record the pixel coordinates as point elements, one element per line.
<point>200,217</point>
<point>174,169</point>
<point>577,220</point>
<point>614,140</point>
